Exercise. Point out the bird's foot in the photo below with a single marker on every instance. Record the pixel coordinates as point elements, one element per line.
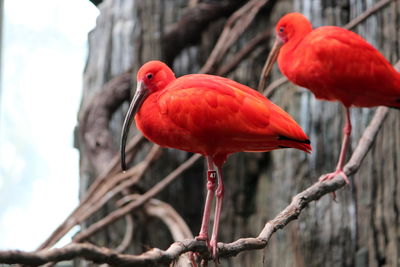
<point>212,247</point>
<point>332,175</point>
<point>193,258</point>
<point>214,251</point>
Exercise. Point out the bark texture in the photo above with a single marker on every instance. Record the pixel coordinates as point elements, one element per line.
<point>361,229</point>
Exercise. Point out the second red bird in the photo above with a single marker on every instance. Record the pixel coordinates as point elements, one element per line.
<point>336,65</point>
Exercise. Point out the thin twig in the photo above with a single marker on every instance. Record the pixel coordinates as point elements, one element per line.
<point>243,52</point>
<point>270,90</point>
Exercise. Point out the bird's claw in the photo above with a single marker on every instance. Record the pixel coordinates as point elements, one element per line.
<point>332,175</point>
<point>193,258</point>
<point>214,251</point>
<point>212,247</point>
<point>195,255</point>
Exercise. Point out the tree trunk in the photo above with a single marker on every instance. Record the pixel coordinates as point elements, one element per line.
<point>360,229</point>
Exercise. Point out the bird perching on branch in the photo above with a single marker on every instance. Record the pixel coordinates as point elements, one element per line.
<point>212,116</point>
<point>336,65</point>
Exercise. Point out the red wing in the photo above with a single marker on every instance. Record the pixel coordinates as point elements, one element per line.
<point>342,59</point>
<point>212,107</point>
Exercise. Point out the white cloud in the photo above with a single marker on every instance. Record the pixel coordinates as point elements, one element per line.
<point>69,17</point>
<point>30,224</point>
<point>1,181</point>
<point>11,163</point>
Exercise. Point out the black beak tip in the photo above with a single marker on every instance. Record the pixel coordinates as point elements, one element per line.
<point>123,164</point>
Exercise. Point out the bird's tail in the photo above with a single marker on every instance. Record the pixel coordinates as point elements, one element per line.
<point>392,103</point>
<point>287,142</point>
<point>396,104</point>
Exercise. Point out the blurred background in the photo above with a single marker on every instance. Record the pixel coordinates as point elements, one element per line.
<point>55,78</point>
<point>44,48</point>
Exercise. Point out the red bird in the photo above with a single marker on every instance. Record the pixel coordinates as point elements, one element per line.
<point>336,65</point>
<point>210,115</point>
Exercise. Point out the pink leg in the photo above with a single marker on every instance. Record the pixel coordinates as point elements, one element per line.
<point>343,151</point>
<point>220,196</point>
<point>211,176</point>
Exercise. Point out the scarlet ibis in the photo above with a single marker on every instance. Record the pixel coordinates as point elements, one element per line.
<point>210,115</point>
<point>336,65</point>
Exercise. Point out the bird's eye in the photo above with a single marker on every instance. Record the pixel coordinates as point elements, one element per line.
<point>149,76</point>
<point>281,29</point>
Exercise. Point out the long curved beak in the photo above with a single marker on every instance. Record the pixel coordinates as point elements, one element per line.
<point>140,95</point>
<point>272,57</point>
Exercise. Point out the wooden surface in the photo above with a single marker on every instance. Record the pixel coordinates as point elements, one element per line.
<point>360,229</point>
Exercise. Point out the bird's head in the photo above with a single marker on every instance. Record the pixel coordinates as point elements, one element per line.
<point>289,27</point>
<point>151,77</point>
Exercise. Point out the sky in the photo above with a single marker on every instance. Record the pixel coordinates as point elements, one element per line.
<point>44,52</point>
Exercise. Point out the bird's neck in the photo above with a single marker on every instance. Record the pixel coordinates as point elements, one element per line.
<point>162,84</point>
<point>164,77</point>
<point>302,29</point>
<point>301,32</point>
<point>287,54</point>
